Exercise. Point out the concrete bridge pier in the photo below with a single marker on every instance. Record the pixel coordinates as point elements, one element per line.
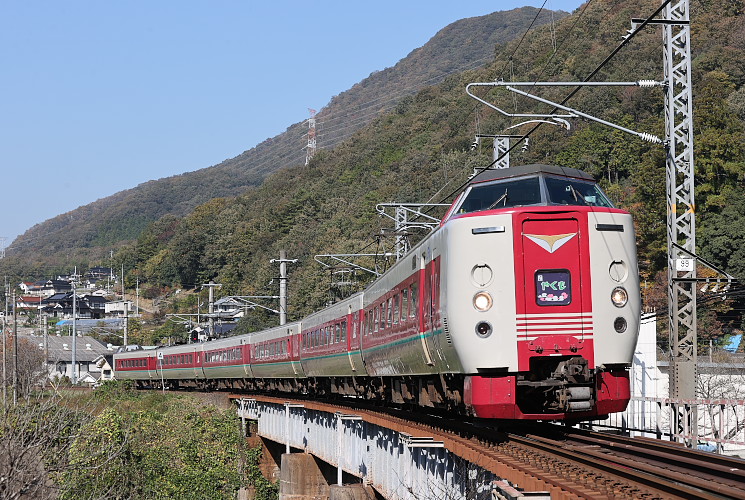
<point>301,478</point>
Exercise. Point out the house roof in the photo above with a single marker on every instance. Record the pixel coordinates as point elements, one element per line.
<point>87,349</point>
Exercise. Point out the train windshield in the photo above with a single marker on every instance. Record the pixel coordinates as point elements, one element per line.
<point>564,191</point>
<point>535,190</point>
<point>512,193</point>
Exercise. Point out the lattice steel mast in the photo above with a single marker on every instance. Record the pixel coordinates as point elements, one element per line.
<point>681,211</point>
<point>310,150</point>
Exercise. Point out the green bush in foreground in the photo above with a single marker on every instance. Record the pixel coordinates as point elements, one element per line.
<point>151,445</point>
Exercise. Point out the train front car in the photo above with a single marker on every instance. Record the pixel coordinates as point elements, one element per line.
<point>541,295</point>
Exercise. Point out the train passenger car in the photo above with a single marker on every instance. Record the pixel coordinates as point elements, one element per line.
<point>227,362</point>
<point>402,332</point>
<point>139,365</point>
<point>181,365</point>
<point>540,294</point>
<point>330,340</point>
<point>275,353</point>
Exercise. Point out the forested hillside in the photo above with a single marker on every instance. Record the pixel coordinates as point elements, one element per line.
<point>87,234</point>
<point>420,152</point>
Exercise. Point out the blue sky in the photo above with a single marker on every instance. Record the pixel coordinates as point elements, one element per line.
<point>100,96</point>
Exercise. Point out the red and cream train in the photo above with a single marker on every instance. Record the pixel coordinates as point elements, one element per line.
<point>523,304</point>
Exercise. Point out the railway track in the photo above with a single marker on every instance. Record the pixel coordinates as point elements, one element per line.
<point>567,462</point>
<point>625,467</point>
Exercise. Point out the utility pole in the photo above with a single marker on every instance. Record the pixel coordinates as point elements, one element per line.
<point>211,285</point>
<point>283,261</point>
<point>15,351</point>
<point>111,272</point>
<point>74,377</point>
<point>126,324</point>
<point>5,345</point>
<point>46,344</point>
<point>137,299</point>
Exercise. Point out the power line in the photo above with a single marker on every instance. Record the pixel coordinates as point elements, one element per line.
<point>571,94</point>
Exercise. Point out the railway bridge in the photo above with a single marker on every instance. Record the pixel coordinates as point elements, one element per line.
<point>325,451</point>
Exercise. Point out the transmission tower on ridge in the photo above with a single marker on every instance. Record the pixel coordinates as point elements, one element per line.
<point>311,149</point>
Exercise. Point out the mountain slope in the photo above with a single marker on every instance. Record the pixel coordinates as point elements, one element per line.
<point>89,232</point>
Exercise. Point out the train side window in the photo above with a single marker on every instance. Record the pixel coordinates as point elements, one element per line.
<point>396,308</point>
<point>390,312</point>
<point>382,316</point>
<point>344,331</point>
<point>414,300</point>
<point>376,318</point>
<point>337,333</point>
<point>404,304</point>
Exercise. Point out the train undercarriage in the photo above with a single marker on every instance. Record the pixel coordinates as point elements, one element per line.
<point>555,388</point>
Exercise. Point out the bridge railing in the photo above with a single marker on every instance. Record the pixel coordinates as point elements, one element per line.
<point>721,422</point>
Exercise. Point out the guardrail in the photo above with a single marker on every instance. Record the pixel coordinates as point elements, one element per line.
<point>721,422</point>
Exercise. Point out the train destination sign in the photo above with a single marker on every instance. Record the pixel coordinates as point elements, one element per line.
<point>553,288</point>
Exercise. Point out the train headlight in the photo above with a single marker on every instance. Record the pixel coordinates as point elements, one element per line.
<point>482,301</point>
<point>619,296</point>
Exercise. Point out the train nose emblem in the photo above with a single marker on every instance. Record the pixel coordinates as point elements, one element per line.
<point>550,242</point>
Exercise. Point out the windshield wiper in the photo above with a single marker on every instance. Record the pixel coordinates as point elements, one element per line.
<point>503,197</point>
<point>576,195</point>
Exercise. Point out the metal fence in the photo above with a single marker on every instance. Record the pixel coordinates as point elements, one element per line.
<point>721,422</point>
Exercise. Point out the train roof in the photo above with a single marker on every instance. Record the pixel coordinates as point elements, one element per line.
<point>533,169</point>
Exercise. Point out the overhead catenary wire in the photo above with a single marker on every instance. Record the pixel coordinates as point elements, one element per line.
<point>571,94</point>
